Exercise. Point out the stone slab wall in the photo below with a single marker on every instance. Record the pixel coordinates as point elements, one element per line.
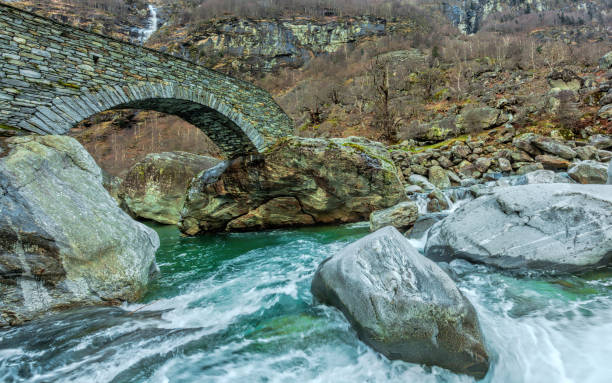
<point>53,76</point>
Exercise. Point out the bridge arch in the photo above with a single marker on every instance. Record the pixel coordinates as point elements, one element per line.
<point>222,123</point>
<point>53,76</point>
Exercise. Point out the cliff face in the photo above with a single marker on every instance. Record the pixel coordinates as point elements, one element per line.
<point>266,45</point>
<point>469,15</point>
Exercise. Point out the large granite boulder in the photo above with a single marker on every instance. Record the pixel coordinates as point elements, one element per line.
<point>589,172</point>
<point>402,304</point>
<point>332,181</point>
<point>401,216</point>
<point>155,187</point>
<point>544,227</point>
<point>64,241</point>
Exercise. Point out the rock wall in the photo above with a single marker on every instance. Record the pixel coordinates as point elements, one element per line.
<point>265,45</point>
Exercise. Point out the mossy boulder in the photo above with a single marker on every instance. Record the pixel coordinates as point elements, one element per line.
<point>155,187</point>
<point>332,181</point>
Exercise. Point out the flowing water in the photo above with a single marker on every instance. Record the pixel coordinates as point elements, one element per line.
<point>238,308</point>
<point>152,25</point>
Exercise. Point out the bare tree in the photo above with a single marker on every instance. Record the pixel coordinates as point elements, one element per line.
<point>385,117</point>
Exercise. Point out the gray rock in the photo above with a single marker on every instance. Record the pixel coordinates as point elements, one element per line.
<point>468,182</point>
<point>604,155</point>
<point>63,240</point>
<point>504,165</point>
<point>605,112</point>
<point>589,172</point>
<point>482,164</point>
<point>438,177</point>
<point>610,173</point>
<point>586,152</point>
<point>400,216</point>
<point>528,168</point>
<point>544,177</point>
<point>437,201</point>
<point>155,188</point>
<point>421,181</point>
<point>606,61</point>
<point>424,223</point>
<point>315,180</point>
<point>601,141</point>
<point>402,304</point>
<point>413,189</point>
<point>552,228</point>
<point>475,119</point>
<point>112,184</point>
<point>555,147</point>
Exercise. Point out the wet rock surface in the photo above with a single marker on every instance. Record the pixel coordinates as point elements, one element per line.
<point>63,239</point>
<point>543,227</point>
<point>402,304</point>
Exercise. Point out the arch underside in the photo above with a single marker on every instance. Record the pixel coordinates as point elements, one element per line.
<point>230,138</point>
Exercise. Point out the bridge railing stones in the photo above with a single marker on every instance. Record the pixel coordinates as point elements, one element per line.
<point>53,76</point>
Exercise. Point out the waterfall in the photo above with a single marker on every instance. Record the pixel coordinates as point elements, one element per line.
<point>152,25</point>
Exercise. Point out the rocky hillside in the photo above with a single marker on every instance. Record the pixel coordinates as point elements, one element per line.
<point>237,45</point>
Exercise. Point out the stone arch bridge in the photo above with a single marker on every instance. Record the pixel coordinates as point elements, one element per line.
<point>52,76</point>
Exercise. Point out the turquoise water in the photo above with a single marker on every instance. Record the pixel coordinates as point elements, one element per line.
<point>238,308</point>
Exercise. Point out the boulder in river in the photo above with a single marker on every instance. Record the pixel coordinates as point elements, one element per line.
<point>64,241</point>
<point>155,187</point>
<point>401,216</point>
<point>333,181</point>
<point>543,227</point>
<point>402,304</point>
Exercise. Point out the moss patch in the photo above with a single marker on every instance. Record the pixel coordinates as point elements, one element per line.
<point>69,85</point>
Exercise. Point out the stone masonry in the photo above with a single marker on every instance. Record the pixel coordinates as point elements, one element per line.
<point>52,76</point>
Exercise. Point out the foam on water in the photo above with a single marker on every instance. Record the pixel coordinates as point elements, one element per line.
<point>237,307</point>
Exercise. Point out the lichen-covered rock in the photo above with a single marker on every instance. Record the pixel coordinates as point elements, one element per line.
<point>63,239</point>
<point>334,181</point>
<point>552,162</point>
<point>606,61</point>
<point>401,216</point>
<point>475,119</point>
<point>281,211</point>
<point>589,172</point>
<point>402,304</point>
<point>439,177</point>
<point>564,79</point>
<point>555,147</point>
<point>543,227</point>
<point>155,187</point>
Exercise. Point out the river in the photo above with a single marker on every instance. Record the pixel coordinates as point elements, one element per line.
<point>238,308</point>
